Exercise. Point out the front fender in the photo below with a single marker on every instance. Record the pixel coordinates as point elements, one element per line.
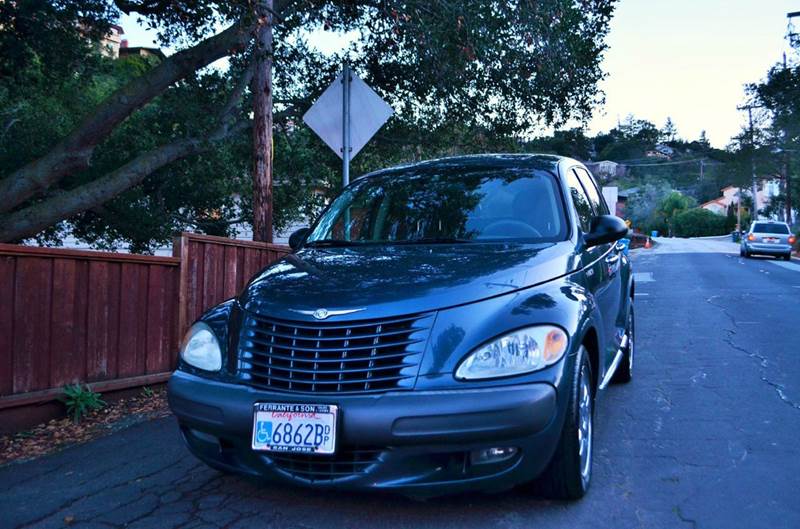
<point>460,330</point>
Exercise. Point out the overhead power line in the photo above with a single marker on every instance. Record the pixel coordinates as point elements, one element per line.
<point>677,162</point>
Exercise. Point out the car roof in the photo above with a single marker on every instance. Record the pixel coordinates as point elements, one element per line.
<point>479,162</point>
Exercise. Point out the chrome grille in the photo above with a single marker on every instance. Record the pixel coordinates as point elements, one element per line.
<point>332,357</point>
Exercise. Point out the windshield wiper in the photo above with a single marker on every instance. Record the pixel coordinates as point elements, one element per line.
<point>432,240</point>
<point>332,242</point>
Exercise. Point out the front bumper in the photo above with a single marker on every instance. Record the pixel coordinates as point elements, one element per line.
<point>416,442</point>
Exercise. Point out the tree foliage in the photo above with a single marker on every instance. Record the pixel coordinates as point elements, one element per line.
<point>777,152</point>
<point>670,207</point>
<point>669,132</point>
<point>699,222</point>
<point>655,207</point>
<point>170,139</point>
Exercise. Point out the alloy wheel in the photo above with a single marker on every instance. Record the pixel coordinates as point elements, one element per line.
<point>585,425</point>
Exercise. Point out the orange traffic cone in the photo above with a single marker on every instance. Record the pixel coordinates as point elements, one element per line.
<point>647,243</point>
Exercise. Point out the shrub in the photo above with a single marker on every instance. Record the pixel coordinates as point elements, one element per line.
<point>81,400</point>
<point>699,222</point>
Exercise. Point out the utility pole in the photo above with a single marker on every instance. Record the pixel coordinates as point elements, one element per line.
<point>739,210</point>
<point>749,109</point>
<point>787,177</point>
<point>702,168</point>
<point>788,184</point>
<point>262,126</point>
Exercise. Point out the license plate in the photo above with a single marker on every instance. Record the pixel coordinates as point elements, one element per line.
<point>307,428</point>
<point>770,239</point>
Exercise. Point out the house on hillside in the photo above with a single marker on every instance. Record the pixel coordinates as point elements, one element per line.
<point>111,43</point>
<point>661,151</point>
<point>114,46</point>
<point>140,51</point>
<point>665,149</point>
<point>717,206</point>
<point>730,195</point>
<point>652,153</point>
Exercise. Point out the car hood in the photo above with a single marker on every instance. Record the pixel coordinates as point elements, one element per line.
<point>395,279</point>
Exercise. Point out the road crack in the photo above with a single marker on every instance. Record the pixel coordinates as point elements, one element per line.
<point>684,519</point>
<point>779,389</point>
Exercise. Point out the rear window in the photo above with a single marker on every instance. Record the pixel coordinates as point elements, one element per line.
<point>763,227</point>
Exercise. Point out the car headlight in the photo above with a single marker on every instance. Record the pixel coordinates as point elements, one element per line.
<point>200,348</point>
<point>522,351</point>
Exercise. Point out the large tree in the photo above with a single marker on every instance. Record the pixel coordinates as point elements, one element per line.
<point>495,69</point>
<point>779,95</point>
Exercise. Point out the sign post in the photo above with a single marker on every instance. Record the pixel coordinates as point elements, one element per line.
<point>344,131</point>
<point>346,82</point>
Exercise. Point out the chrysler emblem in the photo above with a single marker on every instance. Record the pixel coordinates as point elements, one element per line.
<point>321,314</point>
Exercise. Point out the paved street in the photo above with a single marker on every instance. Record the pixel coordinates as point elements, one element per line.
<point>706,436</point>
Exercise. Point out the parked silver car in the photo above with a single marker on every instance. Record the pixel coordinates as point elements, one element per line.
<point>768,238</point>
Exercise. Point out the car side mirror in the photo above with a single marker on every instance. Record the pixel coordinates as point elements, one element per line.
<point>605,229</point>
<point>297,238</point>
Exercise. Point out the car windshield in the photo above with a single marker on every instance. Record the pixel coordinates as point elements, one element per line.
<point>763,227</point>
<point>445,206</point>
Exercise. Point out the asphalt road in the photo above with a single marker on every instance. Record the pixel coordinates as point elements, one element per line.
<point>705,436</point>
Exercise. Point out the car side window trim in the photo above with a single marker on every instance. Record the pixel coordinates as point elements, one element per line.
<point>592,190</point>
<point>578,194</point>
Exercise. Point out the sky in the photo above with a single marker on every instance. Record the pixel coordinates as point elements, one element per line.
<point>690,60</point>
<point>684,59</point>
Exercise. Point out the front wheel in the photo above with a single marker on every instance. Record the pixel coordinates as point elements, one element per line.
<point>787,257</point>
<point>568,475</point>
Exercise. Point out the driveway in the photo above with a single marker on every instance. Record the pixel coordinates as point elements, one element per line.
<point>705,436</point>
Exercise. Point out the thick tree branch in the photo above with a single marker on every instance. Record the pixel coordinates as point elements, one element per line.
<point>228,111</point>
<point>33,219</point>
<point>75,151</point>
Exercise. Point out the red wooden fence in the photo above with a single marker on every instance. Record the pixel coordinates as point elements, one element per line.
<point>110,319</point>
<point>216,268</point>
<point>68,315</point>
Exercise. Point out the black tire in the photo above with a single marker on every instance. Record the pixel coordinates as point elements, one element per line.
<point>567,477</point>
<point>624,371</point>
<point>741,252</point>
<point>788,257</point>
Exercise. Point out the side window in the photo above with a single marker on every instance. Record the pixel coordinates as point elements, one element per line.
<point>597,200</point>
<point>580,200</point>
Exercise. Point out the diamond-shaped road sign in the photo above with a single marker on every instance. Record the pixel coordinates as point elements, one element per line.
<point>368,114</point>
